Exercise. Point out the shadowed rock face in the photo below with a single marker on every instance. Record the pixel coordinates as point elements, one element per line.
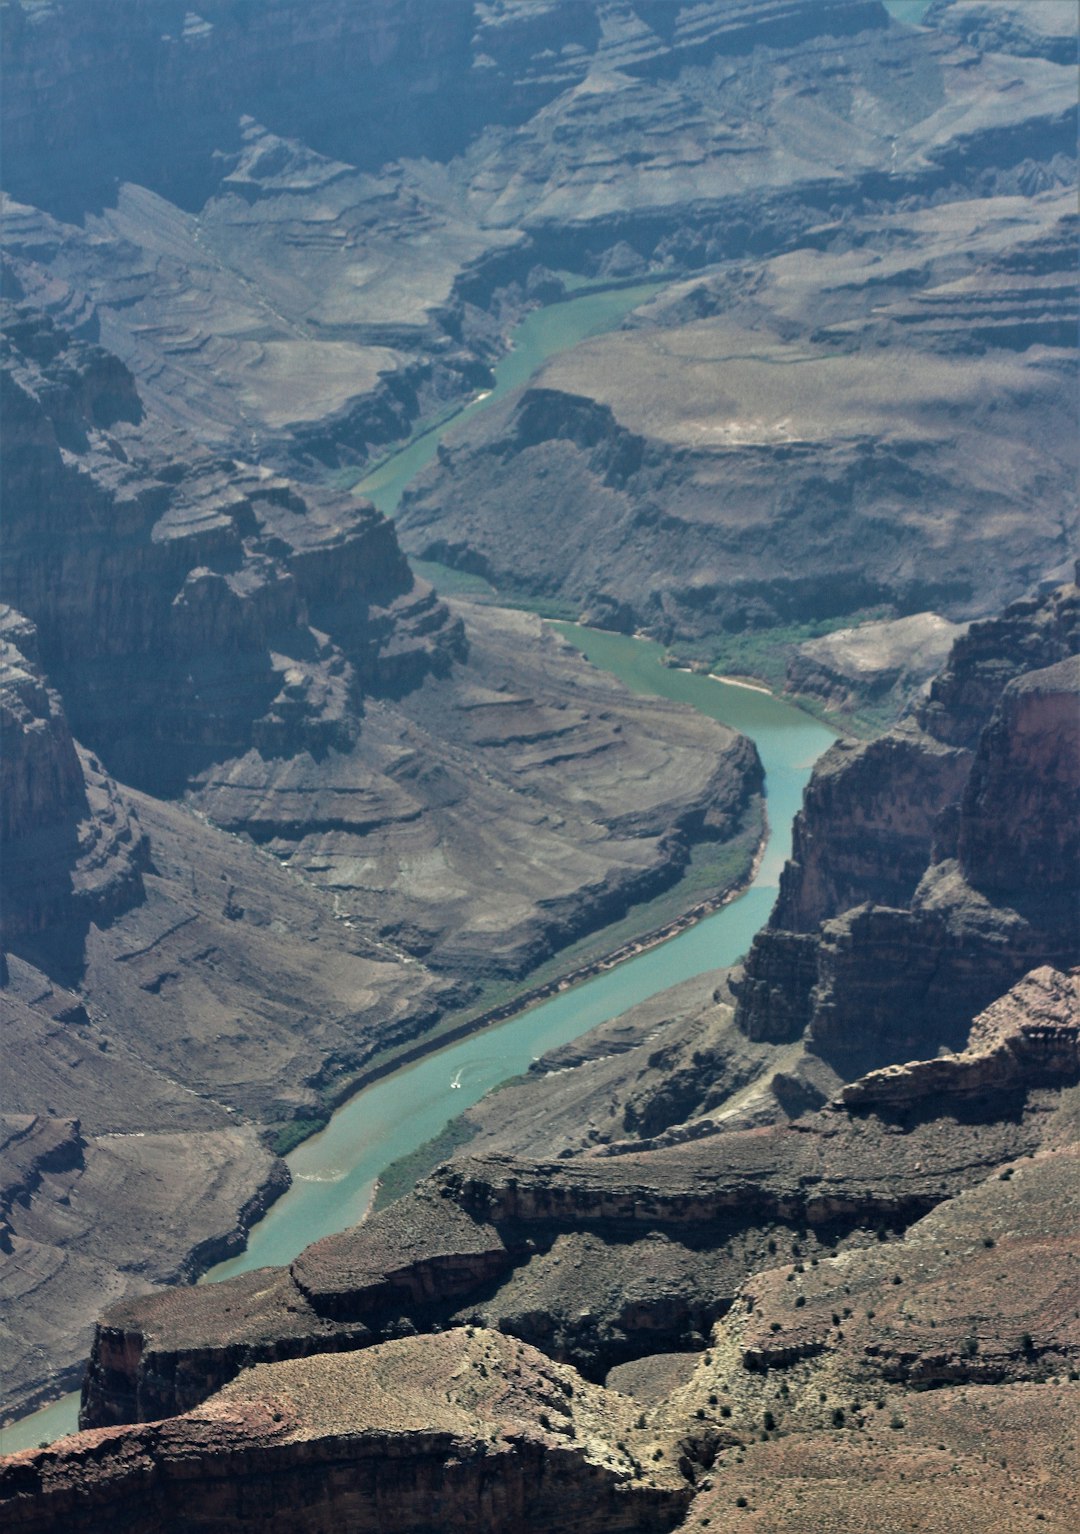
<point>225,633</point>
<point>602,1257</point>
<point>184,605</point>
<point>931,868</point>
<point>1019,826</point>
<point>73,851</point>
<point>642,1245</point>
<point>1032,1033</point>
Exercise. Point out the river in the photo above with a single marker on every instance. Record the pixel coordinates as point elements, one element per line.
<point>334,1173</point>
<point>541,334</point>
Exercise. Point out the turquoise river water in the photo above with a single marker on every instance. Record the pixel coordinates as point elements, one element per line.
<point>335,1172</point>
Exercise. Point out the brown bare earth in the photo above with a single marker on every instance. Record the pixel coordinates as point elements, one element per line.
<point>957,1463</point>
<point>431,1434</point>
<point>739,457</point>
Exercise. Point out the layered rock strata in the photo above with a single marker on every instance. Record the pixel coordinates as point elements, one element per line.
<point>185,606</point>
<point>766,391</point>
<point>462,1430</point>
<point>879,664</point>
<point>935,865</point>
<point>1030,1035</point>
<point>598,1258</point>
<point>362,789</point>
<point>73,850</point>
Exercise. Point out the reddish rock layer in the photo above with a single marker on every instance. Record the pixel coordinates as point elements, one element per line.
<point>462,1431</point>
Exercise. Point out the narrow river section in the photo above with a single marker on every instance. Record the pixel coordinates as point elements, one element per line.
<point>335,1172</point>
<point>543,333</point>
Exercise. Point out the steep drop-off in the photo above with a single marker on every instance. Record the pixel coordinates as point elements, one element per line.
<point>933,866</point>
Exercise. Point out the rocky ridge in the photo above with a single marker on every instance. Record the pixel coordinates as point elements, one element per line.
<point>470,1426</point>
<point>790,1342</point>
<point>765,392</point>
<point>323,736</point>
<point>946,912</point>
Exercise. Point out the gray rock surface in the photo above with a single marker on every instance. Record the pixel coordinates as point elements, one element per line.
<point>182,969</point>
<point>868,662</point>
<point>739,457</point>
<point>933,867</point>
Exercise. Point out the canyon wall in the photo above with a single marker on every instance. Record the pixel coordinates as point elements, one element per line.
<point>910,900</point>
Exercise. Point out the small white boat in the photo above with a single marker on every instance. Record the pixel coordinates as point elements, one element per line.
<point>456,1083</point>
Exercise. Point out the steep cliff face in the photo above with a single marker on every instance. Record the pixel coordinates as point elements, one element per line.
<point>363,789</point>
<point>934,866</point>
<point>186,607</point>
<point>866,827</point>
<point>1018,835</point>
<point>1030,1035</point>
<point>1031,634</point>
<point>73,850</point>
<point>468,1429</point>
<point>398,81</point>
<point>597,1258</point>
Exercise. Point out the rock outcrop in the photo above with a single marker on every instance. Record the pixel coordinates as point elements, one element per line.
<point>202,628</point>
<point>462,1430</point>
<point>185,608</point>
<point>273,807</point>
<point>1028,1037</point>
<point>877,664</point>
<point>602,1257</point>
<point>934,866</point>
<point>73,850</point>
<point>765,391</point>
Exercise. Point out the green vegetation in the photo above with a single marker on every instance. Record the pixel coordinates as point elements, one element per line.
<point>711,868</point>
<point>761,654</point>
<point>451,582</point>
<point>576,283</point>
<point>401,1176</point>
<point>910,11</point>
<point>289,1136</point>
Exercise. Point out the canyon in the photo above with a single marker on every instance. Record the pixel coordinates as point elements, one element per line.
<point>258,661</point>
<point>296,788</point>
<point>752,1207</point>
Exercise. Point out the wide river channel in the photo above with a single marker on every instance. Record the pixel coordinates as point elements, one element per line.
<point>335,1172</point>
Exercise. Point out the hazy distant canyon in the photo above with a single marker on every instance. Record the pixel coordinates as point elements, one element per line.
<point>274,804</point>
